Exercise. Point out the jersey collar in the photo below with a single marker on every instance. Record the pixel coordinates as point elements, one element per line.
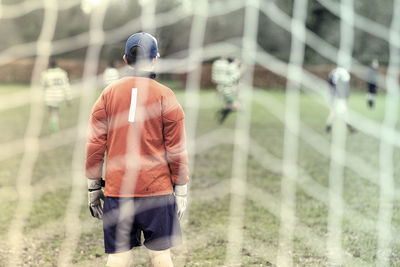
<point>145,74</point>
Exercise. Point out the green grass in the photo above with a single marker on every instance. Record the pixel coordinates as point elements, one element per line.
<point>205,227</point>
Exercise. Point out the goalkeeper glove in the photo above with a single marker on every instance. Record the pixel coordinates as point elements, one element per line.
<point>95,194</point>
<point>180,192</point>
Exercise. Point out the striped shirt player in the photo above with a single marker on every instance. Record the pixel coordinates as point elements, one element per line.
<point>226,75</point>
<point>56,86</point>
<point>220,72</point>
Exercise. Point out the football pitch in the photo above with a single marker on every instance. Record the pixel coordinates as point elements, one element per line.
<point>205,224</point>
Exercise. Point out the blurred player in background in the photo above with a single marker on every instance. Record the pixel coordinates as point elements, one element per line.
<point>339,81</point>
<point>219,72</point>
<point>226,74</point>
<point>141,125</point>
<point>56,87</point>
<point>110,74</point>
<point>372,81</point>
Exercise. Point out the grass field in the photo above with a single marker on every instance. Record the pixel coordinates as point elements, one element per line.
<point>205,224</point>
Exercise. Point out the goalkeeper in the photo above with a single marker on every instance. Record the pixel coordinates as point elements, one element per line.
<point>141,125</point>
<point>56,87</point>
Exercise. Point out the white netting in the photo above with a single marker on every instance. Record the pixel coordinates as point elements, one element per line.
<point>246,149</point>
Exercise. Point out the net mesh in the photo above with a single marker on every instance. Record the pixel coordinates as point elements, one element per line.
<point>294,176</point>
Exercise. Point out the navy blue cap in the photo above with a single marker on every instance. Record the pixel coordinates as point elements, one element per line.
<point>144,40</point>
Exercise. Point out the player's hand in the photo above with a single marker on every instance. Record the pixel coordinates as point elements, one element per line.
<point>180,192</point>
<point>95,195</point>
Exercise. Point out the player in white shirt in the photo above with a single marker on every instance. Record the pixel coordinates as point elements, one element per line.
<point>219,72</point>
<point>56,87</point>
<point>226,75</point>
<point>110,74</point>
<point>339,81</point>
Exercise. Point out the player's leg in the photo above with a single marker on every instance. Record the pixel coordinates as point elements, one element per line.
<point>54,120</point>
<point>330,120</point>
<point>120,233</point>
<point>119,259</point>
<point>370,101</point>
<point>373,99</point>
<point>225,112</point>
<point>161,258</point>
<point>371,95</point>
<point>160,226</point>
<point>229,99</point>
<point>343,111</point>
<point>220,112</point>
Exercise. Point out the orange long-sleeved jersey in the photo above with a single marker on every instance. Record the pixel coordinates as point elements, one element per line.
<point>140,124</point>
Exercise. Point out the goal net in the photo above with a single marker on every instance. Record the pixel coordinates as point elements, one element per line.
<point>268,187</point>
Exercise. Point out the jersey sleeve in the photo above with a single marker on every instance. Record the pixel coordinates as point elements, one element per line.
<point>175,139</point>
<point>96,140</point>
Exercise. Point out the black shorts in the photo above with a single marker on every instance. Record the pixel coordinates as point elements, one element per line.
<point>371,88</point>
<point>125,219</point>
